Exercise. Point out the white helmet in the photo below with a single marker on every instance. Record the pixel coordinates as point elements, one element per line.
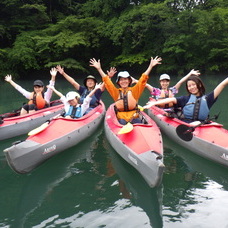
<point>71,95</point>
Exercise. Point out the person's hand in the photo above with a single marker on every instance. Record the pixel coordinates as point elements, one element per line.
<point>111,72</point>
<point>68,117</point>
<point>98,85</point>
<point>149,104</point>
<point>155,61</point>
<point>194,72</point>
<point>60,69</point>
<point>53,71</point>
<point>95,63</point>
<point>8,78</point>
<point>134,81</point>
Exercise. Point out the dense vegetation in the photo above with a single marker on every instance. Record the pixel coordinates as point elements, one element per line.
<point>38,34</point>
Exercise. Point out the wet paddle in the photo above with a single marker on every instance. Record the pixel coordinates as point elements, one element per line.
<point>126,129</point>
<point>185,132</point>
<point>43,126</point>
<point>129,126</point>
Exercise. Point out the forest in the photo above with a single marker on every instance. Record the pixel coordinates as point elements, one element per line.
<point>36,35</point>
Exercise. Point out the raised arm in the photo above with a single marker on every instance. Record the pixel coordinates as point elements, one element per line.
<point>97,86</point>
<point>53,73</point>
<point>97,64</point>
<point>192,72</point>
<point>55,91</point>
<point>160,102</point>
<point>153,62</point>
<point>111,72</point>
<point>67,77</point>
<point>8,78</point>
<point>48,93</point>
<point>148,86</point>
<point>220,87</point>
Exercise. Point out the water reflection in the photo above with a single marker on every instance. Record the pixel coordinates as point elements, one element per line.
<point>188,180</point>
<point>133,186</point>
<point>35,192</point>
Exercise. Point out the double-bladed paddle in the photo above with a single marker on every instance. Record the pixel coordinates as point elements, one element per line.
<point>129,126</point>
<point>185,132</point>
<point>43,126</point>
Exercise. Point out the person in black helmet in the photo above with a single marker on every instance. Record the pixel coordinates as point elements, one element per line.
<point>89,84</point>
<point>38,99</point>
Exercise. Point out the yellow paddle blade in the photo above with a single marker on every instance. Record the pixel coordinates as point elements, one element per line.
<point>140,108</point>
<point>38,129</point>
<point>126,128</point>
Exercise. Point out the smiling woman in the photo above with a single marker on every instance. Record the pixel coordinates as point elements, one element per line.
<point>196,105</point>
<point>126,95</point>
<point>38,99</point>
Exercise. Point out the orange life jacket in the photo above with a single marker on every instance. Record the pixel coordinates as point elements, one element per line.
<point>126,101</point>
<point>38,100</point>
<point>164,95</point>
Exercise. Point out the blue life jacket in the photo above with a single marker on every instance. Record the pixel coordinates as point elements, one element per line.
<point>196,108</point>
<point>93,103</point>
<point>74,112</point>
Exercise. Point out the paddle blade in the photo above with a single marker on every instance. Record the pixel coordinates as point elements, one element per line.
<point>184,132</point>
<point>38,129</point>
<point>126,128</point>
<point>140,108</point>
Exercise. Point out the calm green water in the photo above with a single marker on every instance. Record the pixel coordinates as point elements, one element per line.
<point>89,185</point>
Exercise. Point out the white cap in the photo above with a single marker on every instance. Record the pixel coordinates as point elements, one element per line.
<point>122,74</point>
<point>71,95</point>
<point>164,76</point>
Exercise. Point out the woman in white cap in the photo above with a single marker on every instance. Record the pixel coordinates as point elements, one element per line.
<point>126,97</point>
<point>89,84</point>
<point>73,108</point>
<point>165,91</point>
<point>38,99</point>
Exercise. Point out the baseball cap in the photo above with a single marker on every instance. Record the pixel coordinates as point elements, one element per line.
<point>164,76</point>
<point>38,83</point>
<point>71,95</point>
<point>123,74</point>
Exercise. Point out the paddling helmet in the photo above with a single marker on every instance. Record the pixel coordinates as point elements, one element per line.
<point>164,77</point>
<point>71,95</point>
<point>123,74</point>
<point>90,77</point>
<point>38,83</point>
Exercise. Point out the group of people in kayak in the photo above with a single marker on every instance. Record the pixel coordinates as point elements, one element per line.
<point>194,106</point>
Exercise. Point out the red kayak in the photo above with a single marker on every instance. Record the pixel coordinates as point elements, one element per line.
<point>142,147</point>
<point>59,134</point>
<point>12,124</point>
<point>208,140</point>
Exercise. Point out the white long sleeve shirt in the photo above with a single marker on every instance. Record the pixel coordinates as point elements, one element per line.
<point>47,94</point>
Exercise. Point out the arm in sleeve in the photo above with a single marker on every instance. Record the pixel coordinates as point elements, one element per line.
<point>113,91</point>
<point>24,92</point>
<point>140,86</point>
<point>85,104</point>
<point>48,93</point>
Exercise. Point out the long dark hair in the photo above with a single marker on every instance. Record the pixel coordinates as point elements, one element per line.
<point>199,84</point>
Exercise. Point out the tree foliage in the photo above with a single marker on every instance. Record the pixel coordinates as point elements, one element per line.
<point>38,34</point>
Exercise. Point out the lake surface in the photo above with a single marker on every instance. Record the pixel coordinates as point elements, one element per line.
<point>89,185</point>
